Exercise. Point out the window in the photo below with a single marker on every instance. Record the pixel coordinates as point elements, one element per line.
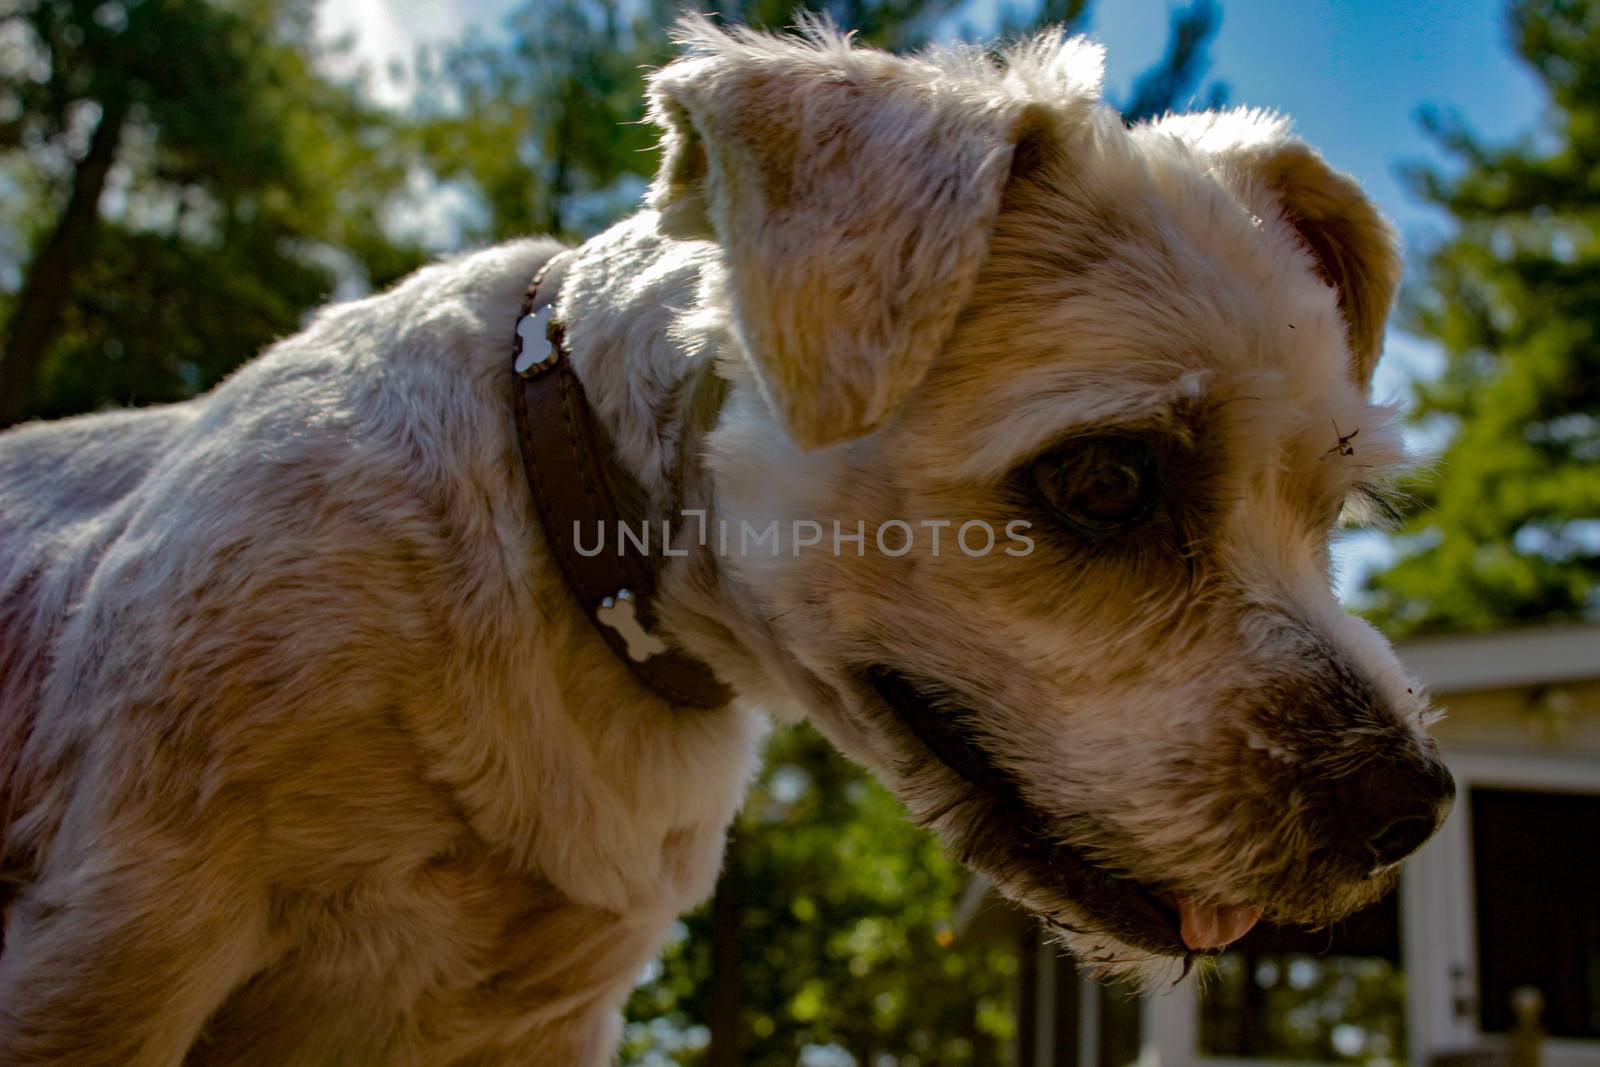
<point>1089,1024</point>
<point>1333,996</point>
<point>1536,871</point>
<point>1121,1021</point>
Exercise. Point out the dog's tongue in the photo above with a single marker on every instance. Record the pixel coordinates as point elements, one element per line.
<point>1213,926</point>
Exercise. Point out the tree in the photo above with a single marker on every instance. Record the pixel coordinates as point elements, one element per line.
<point>175,155</point>
<point>544,125</point>
<point>1167,85</point>
<point>843,935</point>
<point>1511,530</point>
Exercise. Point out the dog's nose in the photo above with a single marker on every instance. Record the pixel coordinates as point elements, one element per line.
<point>1389,807</point>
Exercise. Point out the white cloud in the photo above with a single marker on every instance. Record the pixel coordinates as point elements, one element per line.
<point>387,33</point>
<point>380,39</point>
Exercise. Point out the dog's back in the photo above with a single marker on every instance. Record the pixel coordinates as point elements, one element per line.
<point>244,485</point>
<point>62,487</point>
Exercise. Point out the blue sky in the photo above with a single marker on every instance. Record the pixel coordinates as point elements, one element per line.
<point>1352,74</point>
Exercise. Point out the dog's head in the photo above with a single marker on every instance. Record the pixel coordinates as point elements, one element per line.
<point>1095,398</point>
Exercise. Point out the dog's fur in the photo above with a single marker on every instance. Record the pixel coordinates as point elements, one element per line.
<point>309,756</point>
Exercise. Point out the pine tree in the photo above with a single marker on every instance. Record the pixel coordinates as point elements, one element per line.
<point>183,185</point>
<point>1510,531</point>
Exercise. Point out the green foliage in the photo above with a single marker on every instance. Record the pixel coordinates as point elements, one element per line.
<point>844,932</point>
<point>1311,1009</point>
<point>1512,527</point>
<point>543,126</point>
<point>155,319</point>
<point>221,227</point>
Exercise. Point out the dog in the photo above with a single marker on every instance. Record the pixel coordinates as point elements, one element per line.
<point>310,753</point>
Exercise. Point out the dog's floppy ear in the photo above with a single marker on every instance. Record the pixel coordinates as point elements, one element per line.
<point>852,193</point>
<point>1355,248</point>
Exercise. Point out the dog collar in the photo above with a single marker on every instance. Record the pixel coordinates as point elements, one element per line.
<point>577,484</point>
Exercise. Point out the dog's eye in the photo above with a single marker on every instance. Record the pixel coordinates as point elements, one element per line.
<point>1098,484</point>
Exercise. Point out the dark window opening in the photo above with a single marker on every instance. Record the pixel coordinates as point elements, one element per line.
<point>1536,875</point>
<point>1121,1016</point>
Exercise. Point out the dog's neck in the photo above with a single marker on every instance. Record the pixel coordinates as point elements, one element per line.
<point>652,348</point>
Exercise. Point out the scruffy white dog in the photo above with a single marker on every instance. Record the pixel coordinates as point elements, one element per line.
<point>309,755</point>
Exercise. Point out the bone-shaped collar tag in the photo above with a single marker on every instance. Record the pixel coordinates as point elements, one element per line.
<point>537,354</point>
<point>620,614</point>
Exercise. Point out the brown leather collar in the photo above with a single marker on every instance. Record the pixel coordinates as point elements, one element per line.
<point>580,491</point>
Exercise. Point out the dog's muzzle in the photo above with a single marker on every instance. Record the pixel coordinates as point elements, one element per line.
<point>1014,837</point>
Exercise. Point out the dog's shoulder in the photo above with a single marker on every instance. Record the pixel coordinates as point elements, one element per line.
<point>443,329</point>
<point>354,453</point>
<point>291,547</point>
<point>407,349</point>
